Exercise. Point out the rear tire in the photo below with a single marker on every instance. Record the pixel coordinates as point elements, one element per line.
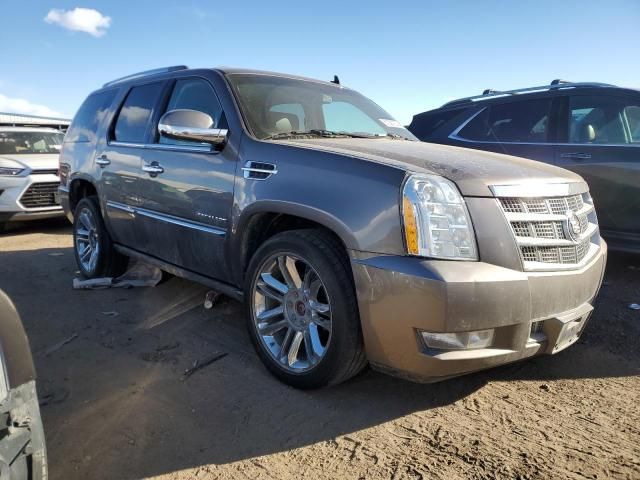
<point>93,247</point>
<point>312,310</point>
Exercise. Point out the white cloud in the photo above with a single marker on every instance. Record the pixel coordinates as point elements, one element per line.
<point>20,105</point>
<point>80,19</point>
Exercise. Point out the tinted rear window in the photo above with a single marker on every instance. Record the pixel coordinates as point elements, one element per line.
<point>525,121</point>
<point>91,113</point>
<point>424,124</point>
<point>135,114</point>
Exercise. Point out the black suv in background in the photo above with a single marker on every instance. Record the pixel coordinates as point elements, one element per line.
<point>590,128</point>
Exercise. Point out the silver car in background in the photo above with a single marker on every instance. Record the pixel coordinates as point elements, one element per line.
<point>29,173</point>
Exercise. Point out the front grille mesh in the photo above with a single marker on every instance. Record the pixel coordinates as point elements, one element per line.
<point>564,255</point>
<point>556,206</point>
<point>544,232</point>
<point>40,195</point>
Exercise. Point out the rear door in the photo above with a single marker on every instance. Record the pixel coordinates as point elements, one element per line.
<point>188,205</point>
<point>601,142</point>
<point>121,163</point>
<point>520,128</point>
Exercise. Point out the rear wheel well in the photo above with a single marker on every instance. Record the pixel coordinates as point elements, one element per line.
<point>263,226</point>
<point>80,189</point>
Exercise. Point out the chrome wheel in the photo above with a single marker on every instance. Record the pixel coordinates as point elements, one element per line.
<point>292,312</point>
<point>87,240</point>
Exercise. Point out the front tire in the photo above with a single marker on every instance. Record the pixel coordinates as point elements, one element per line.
<point>301,310</point>
<point>93,247</point>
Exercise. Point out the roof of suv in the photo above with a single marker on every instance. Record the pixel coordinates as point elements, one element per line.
<point>224,70</point>
<point>556,87</point>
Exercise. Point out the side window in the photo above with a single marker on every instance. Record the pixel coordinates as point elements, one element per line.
<point>89,117</point>
<point>632,113</point>
<point>133,119</point>
<point>596,120</point>
<point>343,116</point>
<point>525,121</point>
<point>287,117</point>
<point>194,94</point>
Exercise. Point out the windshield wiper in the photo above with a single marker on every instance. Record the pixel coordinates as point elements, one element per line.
<point>395,136</point>
<point>318,133</point>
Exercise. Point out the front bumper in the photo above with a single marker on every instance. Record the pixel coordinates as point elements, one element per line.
<point>400,296</point>
<point>14,192</point>
<point>63,196</point>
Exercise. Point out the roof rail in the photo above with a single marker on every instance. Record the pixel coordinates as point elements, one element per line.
<point>146,73</point>
<point>555,84</point>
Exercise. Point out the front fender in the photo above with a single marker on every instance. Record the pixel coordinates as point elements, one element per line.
<point>299,210</point>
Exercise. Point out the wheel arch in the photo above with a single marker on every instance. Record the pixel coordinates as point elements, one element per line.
<point>79,188</point>
<point>263,220</point>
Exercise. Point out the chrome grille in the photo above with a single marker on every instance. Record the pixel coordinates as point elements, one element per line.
<point>546,237</point>
<point>40,195</point>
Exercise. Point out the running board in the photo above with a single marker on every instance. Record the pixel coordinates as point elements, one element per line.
<point>221,287</point>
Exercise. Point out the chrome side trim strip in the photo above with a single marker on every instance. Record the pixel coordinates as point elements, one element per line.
<point>115,143</point>
<point>163,146</point>
<point>179,148</point>
<point>120,206</point>
<point>539,189</point>
<point>167,218</point>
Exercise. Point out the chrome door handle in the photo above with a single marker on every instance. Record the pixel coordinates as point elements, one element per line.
<point>576,156</point>
<point>153,169</point>
<point>102,160</point>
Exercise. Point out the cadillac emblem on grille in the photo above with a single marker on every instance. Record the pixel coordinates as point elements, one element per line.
<point>572,226</point>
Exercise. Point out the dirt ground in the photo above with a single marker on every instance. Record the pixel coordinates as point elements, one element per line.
<point>116,404</point>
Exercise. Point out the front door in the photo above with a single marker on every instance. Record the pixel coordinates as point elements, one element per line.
<point>187,201</point>
<point>602,145</point>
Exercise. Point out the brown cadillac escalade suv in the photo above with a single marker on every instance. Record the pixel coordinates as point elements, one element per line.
<point>349,241</point>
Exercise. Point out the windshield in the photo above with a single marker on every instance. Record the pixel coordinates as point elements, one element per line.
<point>16,143</point>
<point>273,107</point>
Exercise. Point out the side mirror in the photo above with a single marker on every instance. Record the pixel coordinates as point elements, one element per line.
<point>191,125</point>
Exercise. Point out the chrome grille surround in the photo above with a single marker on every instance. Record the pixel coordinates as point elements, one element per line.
<point>543,229</point>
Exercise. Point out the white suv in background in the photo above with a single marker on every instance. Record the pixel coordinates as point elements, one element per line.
<point>29,173</point>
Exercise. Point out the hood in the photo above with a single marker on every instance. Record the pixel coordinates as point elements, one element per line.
<point>35,161</point>
<point>473,171</point>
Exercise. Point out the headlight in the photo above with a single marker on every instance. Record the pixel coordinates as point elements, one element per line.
<point>10,172</point>
<point>436,220</point>
<point>10,168</point>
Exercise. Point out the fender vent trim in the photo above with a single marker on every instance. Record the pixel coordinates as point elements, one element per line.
<point>258,170</point>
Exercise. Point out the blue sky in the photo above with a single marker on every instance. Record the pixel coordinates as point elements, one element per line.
<point>407,56</point>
